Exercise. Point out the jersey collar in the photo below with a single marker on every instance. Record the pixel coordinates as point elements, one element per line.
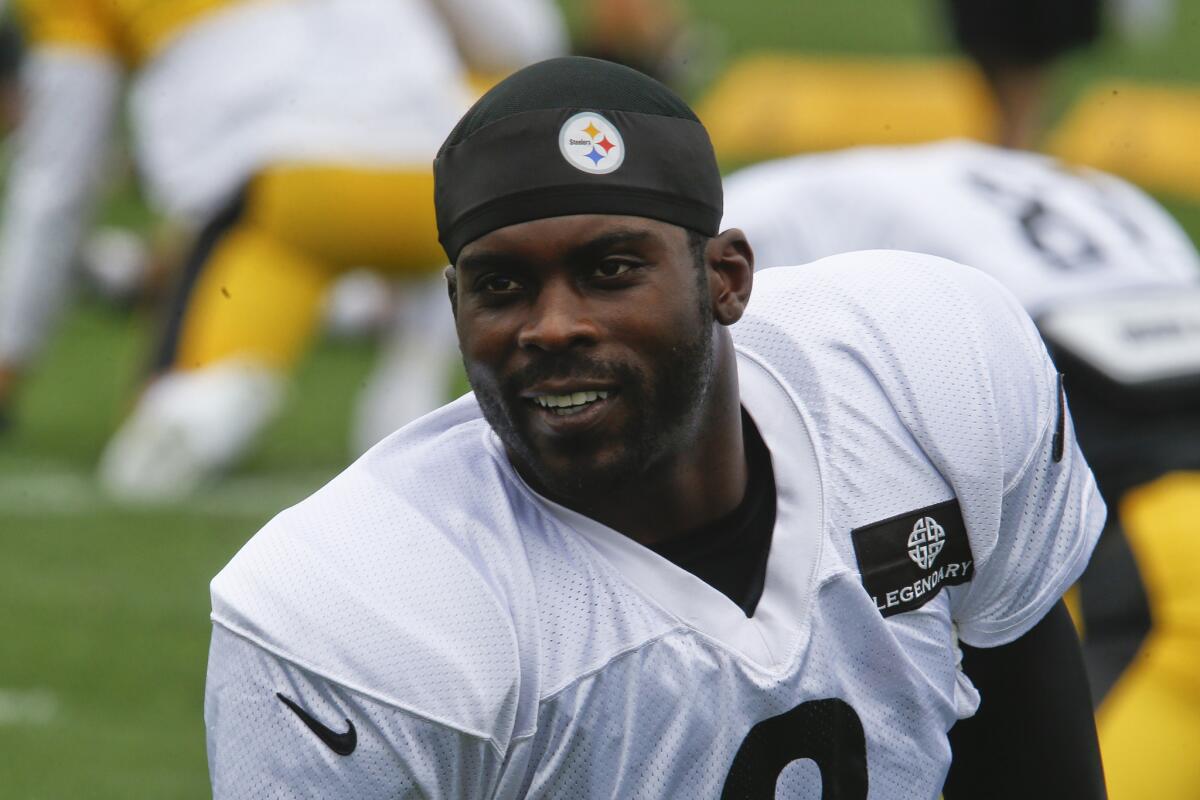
<point>777,633</point>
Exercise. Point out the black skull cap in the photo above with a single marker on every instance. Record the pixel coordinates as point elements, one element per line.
<point>569,136</point>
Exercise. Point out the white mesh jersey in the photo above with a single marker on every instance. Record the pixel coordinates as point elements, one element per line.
<point>484,642</point>
<point>1049,233</point>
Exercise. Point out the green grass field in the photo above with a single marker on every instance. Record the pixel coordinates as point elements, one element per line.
<point>103,609</point>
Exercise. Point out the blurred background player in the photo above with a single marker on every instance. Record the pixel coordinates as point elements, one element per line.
<point>291,140</point>
<point>10,63</point>
<point>660,38</point>
<point>10,104</point>
<point>1114,284</point>
<point>1015,43</point>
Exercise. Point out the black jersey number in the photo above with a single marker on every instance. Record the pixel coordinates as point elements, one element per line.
<point>1062,242</point>
<point>827,731</point>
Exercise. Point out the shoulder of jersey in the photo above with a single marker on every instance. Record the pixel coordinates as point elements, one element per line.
<point>943,345</point>
<point>903,290</point>
<point>375,582</point>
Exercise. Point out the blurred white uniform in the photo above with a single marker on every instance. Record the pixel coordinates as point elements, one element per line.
<point>449,633</point>
<point>1049,233</point>
<point>221,91</point>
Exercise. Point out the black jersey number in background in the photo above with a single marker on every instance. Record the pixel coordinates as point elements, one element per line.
<point>827,731</point>
<point>1062,242</point>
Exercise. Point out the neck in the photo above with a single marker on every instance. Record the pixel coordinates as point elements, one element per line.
<point>695,485</point>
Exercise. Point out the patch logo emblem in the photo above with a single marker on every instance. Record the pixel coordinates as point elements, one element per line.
<point>907,559</point>
<point>592,144</point>
<point>925,542</point>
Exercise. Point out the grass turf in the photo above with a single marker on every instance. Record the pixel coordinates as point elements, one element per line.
<point>104,609</point>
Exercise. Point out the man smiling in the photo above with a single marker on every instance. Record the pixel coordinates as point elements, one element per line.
<point>672,545</point>
<point>620,410</point>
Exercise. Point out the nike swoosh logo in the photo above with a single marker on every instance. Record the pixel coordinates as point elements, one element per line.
<point>341,743</point>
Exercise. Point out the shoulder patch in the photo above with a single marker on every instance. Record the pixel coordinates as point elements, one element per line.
<point>906,560</point>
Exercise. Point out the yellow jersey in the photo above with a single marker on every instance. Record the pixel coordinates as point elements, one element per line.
<point>130,30</point>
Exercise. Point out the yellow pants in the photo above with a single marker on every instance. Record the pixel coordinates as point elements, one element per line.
<point>255,287</point>
<point>1149,723</point>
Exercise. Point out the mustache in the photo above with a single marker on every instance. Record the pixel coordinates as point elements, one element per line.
<point>562,366</point>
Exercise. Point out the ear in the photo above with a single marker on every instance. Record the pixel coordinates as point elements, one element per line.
<point>730,274</point>
<point>452,288</point>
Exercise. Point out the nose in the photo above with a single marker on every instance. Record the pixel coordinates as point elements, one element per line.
<point>558,320</point>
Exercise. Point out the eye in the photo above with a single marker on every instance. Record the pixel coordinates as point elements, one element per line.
<point>612,269</point>
<point>497,284</point>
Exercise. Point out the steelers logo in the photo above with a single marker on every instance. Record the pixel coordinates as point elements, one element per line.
<point>590,143</point>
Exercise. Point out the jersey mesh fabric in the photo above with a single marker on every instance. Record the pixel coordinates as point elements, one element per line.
<point>594,615</point>
<point>397,754</point>
<point>363,555</point>
<point>981,409</point>
<point>690,722</point>
<point>1037,565</point>
<point>490,648</point>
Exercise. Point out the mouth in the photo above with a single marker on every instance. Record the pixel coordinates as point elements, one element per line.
<point>568,404</point>
<point>568,410</point>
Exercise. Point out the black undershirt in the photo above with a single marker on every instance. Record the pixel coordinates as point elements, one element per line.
<point>730,554</point>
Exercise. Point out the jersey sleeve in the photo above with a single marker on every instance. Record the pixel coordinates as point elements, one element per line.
<point>261,745</point>
<point>1050,513</point>
<point>939,361</point>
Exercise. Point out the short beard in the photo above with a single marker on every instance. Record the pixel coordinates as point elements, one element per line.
<point>673,402</point>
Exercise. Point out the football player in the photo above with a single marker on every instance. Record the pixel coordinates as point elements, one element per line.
<point>1015,43</point>
<point>678,542</point>
<point>1115,286</point>
<point>293,138</point>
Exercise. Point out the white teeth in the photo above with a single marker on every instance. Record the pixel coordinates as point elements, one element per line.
<point>572,400</point>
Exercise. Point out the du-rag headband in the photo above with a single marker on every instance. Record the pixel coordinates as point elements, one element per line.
<point>575,136</point>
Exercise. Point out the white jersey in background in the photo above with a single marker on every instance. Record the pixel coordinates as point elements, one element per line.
<point>428,626</point>
<point>219,89</point>
<point>332,81</point>
<point>353,82</point>
<point>1048,232</point>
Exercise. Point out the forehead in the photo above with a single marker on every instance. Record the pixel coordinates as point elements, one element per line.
<point>555,237</point>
